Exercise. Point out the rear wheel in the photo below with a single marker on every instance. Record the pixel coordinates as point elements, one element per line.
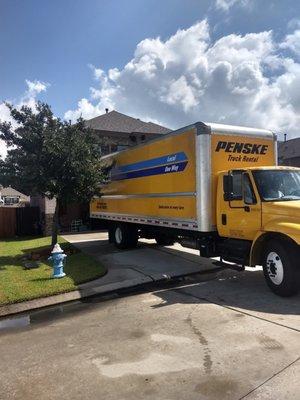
<point>163,240</point>
<point>125,236</point>
<point>280,270</point>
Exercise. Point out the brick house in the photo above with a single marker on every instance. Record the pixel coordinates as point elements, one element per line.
<point>115,131</point>
<point>289,152</point>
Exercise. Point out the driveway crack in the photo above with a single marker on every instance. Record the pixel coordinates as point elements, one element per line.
<point>147,275</point>
<point>269,379</point>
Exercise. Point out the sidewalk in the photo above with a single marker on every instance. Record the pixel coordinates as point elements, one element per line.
<point>126,269</point>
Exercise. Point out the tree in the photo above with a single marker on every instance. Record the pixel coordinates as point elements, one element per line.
<point>51,157</point>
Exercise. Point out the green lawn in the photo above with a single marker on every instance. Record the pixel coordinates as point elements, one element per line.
<point>18,284</point>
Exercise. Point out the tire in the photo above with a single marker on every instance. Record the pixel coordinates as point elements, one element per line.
<point>280,270</point>
<point>162,240</point>
<point>125,236</point>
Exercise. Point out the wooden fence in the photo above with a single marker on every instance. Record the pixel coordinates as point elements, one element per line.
<point>8,219</point>
<point>18,221</point>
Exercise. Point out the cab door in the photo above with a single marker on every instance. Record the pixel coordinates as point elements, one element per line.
<point>240,216</point>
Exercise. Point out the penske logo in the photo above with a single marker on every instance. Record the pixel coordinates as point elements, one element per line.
<point>244,148</point>
<point>244,152</point>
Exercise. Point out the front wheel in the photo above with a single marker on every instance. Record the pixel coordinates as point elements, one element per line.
<point>280,269</point>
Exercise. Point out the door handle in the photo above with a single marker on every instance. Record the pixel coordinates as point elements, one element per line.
<point>247,208</point>
<point>224,219</point>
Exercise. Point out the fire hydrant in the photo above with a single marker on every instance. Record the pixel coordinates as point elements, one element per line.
<point>58,258</point>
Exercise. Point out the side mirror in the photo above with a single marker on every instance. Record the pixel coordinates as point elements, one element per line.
<point>229,194</point>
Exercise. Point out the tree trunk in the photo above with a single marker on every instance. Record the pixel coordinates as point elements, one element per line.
<point>55,224</point>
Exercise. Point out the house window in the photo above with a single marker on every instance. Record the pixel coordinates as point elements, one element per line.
<point>10,200</point>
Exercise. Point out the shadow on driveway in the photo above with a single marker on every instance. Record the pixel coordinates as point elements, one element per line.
<point>243,291</point>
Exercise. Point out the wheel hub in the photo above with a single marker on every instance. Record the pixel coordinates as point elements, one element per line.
<point>275,268</point>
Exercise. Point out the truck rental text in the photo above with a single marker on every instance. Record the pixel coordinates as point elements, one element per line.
<point>211,187</point>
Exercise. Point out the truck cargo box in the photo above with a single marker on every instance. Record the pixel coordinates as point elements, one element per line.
<point>171,181</point>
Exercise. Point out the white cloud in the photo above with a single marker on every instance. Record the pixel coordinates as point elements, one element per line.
<point>85,110</point>
<point>3,150</point>
<point>225,5</point>
<point>34,88</point>
<point>293,24</point>
<point>4,116</point>
<point>292,42</point>
<point>242,80</point>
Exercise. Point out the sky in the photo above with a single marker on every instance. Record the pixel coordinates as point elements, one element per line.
<point>173,62</point>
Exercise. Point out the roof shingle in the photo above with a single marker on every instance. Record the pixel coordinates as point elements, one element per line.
<point>114,121</point>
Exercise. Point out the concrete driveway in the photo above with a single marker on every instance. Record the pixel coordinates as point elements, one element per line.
<point>145,264</point>
<point>228,338</point>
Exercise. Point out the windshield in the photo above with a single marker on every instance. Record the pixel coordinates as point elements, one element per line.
<point>278,185</point>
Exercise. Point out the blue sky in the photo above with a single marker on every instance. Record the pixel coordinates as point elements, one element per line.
<point>69,46</point>
<point>55,40</point>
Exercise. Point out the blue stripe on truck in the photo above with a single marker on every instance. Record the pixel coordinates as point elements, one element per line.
<point>153,162</point>
<point>127,171</point>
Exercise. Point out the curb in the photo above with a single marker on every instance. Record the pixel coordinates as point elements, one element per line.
<point>83,292</point>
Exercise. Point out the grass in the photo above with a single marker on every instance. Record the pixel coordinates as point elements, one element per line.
<point>18,284</point>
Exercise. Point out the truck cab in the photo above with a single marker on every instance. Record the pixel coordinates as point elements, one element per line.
<point>257,216</point>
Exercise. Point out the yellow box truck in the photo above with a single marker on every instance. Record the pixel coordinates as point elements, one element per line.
<point>210,187</point>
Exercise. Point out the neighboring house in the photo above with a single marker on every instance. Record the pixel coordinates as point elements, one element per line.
<point>289,152</point>
<point>10,197</point>
<point>115,131</point>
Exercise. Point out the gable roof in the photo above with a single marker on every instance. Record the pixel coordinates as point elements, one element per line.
<point>114,121</point>
<point>9,191</point>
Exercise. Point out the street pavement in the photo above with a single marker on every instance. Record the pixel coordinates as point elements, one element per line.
<point>224,338</point>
